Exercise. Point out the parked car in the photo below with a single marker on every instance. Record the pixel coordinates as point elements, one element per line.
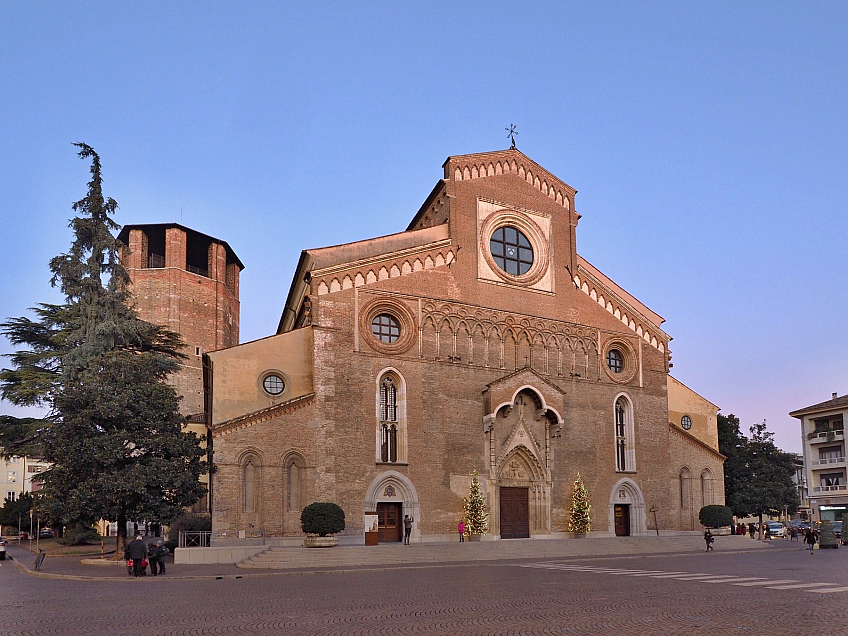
<point>45,533</point>
<point>2,550</point>
<point>800,524</point>
<point>776,529</point>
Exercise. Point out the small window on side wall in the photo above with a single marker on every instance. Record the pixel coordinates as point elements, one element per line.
<point>273,384</point>
<point>615,361</point>
<point>686,422</point>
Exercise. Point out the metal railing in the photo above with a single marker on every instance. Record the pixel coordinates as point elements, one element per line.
<point>156,261</point>
<point>828,460</point>
<point>832,435</point>
<point>195,539</point>
<point>197,270</point>
<point>829,488</point>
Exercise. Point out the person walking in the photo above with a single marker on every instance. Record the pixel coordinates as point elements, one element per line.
<point>153,559</point>
<point>137,550</point>
<point>161,552</point>
<point>752,530</point>
<point>407,528</point>
<point>708,539</point>
<point>461,529</point>
<point>811,539</point>
<point>793,533</point>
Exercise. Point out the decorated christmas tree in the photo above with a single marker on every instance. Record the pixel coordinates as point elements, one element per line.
<point>580,508</point>
<point>476,517</point>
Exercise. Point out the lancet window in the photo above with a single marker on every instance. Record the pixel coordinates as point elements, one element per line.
<point>391,420</point>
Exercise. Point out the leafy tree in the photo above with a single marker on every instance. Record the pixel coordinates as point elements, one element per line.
<point>733,445</point>
<point>113,433</point>
<point>580,518</point>
<point>758,475</point>
<point>14,512</point>
<point>476,515</point>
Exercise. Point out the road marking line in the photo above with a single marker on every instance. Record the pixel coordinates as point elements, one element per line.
<point>701,577</point>
<point>672,575</point>
<point>797,586</point>
<point>735,580</point>
<point>830,590</point>
<point>766,582</point>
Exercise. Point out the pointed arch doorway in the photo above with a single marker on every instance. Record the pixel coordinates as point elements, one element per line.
<point>392,496</point>
<point>627,509</point>
<point>522,496</point>
<point>515,512</point>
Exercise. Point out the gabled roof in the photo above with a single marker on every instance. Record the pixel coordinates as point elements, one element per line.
<point>513,155</point>
<point>651,316</point>
<point>827,405</point>
<point>351,252</point>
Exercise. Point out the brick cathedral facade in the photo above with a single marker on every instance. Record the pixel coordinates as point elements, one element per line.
<point>477,339</point>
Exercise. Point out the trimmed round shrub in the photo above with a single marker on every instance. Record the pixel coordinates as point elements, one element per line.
<point>322,518</point>
<point>715,516</point>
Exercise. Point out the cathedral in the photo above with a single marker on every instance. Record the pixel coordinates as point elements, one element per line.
<point>477,339</point>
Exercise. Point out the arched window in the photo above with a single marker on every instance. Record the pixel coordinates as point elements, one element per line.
<point>388,400</point>
<point>684,478</point>
<point>706,488</point>
<point>295,476</point>
<point>249,486</point>
<point>625,449</point>
<point>391,419</point>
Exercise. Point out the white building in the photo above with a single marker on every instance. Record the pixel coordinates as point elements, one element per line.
<point>823,437</point>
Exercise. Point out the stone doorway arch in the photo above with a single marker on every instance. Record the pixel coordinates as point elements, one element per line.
<point>520,470</point>
<point>392,487</point>
<point>627,493</point>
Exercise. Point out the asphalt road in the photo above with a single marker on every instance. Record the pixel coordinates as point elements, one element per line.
<point>782,590</point>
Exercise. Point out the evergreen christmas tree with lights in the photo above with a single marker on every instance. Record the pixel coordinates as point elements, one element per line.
<point>476,516</point>
<point>580,508</point>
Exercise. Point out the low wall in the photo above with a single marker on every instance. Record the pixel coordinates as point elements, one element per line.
<point>222,554</point>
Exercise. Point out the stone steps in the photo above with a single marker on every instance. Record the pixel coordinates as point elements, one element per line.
<point>360,556</point>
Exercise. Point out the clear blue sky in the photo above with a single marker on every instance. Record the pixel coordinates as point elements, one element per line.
<point>708,145</point>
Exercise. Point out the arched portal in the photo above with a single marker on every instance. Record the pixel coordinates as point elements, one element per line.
<point>627,509</point>
<point>523,498</point>
<point>391,496</point>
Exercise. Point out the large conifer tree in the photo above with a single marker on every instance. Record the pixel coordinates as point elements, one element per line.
<point>113,432</point>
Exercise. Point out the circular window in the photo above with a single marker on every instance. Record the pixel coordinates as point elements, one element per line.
<point>273,384</point>
<point>388,324</point>
<point>385,328</point>
<point>511,250</point>
<point>615,361</point>
<point>686,422</point>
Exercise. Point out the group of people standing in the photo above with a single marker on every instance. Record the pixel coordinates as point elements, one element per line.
<point>138,555</point>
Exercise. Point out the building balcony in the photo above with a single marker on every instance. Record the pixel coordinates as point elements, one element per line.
<point>829,462</point>
<point>842,488</point>
<point>826,436</point>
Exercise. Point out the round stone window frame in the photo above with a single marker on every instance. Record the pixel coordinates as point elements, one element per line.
<point>533,233</point>
<point>400,313</point>
<point>628,355</point>
<point>683,422</point>
<point>282,376</point>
